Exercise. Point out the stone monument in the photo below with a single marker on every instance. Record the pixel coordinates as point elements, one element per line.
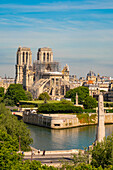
<point>100,127</point>
<point>76,99</point>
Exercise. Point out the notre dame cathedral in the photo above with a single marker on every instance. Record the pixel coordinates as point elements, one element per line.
<point>43,75</point>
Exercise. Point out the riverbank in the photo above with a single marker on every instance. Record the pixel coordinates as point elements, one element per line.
<point>72,151</point>
<point>63,121</point>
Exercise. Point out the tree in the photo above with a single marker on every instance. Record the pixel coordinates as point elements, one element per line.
<point>2,92</point>
<point>15,92</point>
<point>14,127</point>
<point>10,159</point>
<point>102,153</point>
<point>9,102</point>
<point>29,95</point>
<point>82,91</point>
<point>8,148</point>
<point>83,166</point>
<point>1,99</point>
<point>90,102</point>
<point>44,96</point>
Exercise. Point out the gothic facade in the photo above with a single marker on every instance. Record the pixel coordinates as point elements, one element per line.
<point>24,57</point>
<point>44,75</point>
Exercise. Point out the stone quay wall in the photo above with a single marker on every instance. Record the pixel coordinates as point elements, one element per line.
<point>60,121</point>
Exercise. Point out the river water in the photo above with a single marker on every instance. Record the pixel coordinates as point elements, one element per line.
<point>64,139</point>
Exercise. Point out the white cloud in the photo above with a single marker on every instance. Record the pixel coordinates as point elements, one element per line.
<point>59,6</point>
<point>81,43</point>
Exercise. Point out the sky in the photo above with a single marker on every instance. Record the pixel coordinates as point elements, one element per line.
<point>80,33</point>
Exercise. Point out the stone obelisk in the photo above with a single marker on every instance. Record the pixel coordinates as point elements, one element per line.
<point>76,99</point>
<point>100,127</point>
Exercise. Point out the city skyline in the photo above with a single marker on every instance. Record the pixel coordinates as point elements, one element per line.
<point>80,33</point>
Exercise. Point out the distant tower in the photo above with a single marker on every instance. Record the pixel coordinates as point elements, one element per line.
<point>45,55</point>
<point>24,57</point>
<point>100,126</point>
<point>98,78</point>
<point>44,63</point>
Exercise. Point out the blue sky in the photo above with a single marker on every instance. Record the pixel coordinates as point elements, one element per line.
<point>80,32</point>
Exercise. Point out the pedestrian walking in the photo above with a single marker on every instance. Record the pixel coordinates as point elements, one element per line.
<point>44,152</point>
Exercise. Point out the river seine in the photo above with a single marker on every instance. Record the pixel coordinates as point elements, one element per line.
<point>65,139</point>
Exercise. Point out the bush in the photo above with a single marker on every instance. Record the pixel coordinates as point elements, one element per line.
<point>44,96</point>
<point>108,104</point>
<point>109,110</point>
<point>59,108</point>
<point>85,118</point>
<point>89,111</point>
<point>9,102</point>
<point>15,110</point>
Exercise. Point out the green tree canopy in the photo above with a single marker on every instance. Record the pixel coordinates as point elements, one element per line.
<point>44,96</point>
<point>28,96</point>
<point>90,102</point>
<point>82,92</point>
<point>2,92</point>
<point>14,127</point>
<point>15,92</point>
<point>9,102</point>
<point>8,148</point>
<point>102,153</point>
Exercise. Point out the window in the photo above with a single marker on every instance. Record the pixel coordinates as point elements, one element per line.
<point>17,59</point>
<point>23,57</point>
<point>47,56</point>
<point>43,56</point>
<point>26,57</point>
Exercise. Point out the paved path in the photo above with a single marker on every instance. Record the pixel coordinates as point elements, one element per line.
<point>50,159</point>
<point>53,158</point>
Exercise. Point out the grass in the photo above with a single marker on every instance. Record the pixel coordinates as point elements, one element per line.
<point>85,118</point>
<point>39,101</point>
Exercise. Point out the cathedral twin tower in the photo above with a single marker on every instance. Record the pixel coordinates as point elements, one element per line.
<point>44,75</point>
<point>24,57</point>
